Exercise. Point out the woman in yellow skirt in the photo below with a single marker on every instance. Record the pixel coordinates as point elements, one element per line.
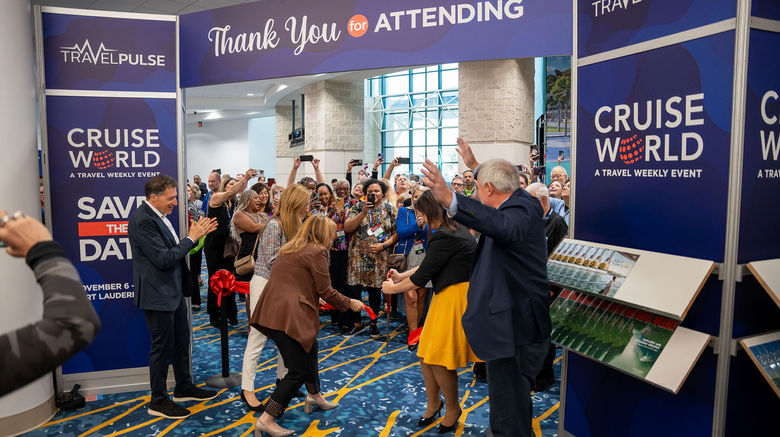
<point>443,347</point>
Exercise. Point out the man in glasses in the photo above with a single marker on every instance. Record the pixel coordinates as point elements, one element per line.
<point>457,185</point>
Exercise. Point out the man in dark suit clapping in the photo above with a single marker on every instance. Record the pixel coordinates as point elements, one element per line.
<point>507,321</point>
<point>160,277</point>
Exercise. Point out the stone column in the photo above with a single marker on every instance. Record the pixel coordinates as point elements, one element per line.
<point>496,107</point>
<point>32,404</point>
<point>334,123</point>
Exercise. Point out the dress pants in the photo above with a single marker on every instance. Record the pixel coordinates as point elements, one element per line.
<point>195,265</point>
<point>170,331</point>
<point>338,279</point>
<point>255,342</point>
<point>510,381</point>
<point>302,369</point>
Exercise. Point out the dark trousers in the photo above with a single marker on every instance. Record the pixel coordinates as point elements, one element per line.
<point>301,369</point>
<point>195,263</point>
<point>170,331</point>
<point>510,381</point>
<point>374,300</point>
<point>338,279</point>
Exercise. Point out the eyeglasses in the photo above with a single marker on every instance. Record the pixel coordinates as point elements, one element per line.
<point>457,184</point>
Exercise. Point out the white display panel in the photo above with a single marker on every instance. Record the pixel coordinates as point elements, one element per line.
<point>768,275</point>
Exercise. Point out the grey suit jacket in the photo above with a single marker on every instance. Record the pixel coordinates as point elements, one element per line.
<point>160,273</point>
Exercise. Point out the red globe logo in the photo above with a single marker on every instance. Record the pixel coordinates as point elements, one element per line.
<point>631,149</point>
<point>103,159</point>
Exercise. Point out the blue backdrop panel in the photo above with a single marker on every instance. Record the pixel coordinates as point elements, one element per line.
<point>758,236</point>
<point>106,53</point>
<point>769,9</point>
<point>94,188</point>
<point>604,402</point>
<point>658,100</point>
<point>610,24</point>
<point>398,33</point>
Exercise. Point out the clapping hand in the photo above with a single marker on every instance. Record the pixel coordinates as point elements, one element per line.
<point>202,227</point>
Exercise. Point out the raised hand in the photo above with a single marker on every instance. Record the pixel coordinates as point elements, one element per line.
<point>434,180</point>
<point>21,233</point>
<point>464,150</point>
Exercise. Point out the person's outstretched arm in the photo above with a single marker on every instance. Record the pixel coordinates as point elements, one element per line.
<point>69,322</point>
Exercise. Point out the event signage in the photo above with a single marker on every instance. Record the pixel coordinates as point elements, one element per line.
<point>275,38</point>
<point>604,25</point>
<point>108,53</point>
<point>653,147</point>
<point>758,239</point>
<point>101,150</point>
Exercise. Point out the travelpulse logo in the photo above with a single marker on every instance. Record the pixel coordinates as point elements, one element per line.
<point>85,54</point>
<point>659,130</point>
<point>604,7</point>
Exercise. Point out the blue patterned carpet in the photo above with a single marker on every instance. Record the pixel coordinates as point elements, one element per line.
<point>377,384</point>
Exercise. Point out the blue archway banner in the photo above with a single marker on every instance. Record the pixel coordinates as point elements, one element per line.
<point>277,38</point>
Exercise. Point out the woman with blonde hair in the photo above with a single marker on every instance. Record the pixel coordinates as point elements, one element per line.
<point>288,313</point>
<point>247,225</point>
<point>283,225</point>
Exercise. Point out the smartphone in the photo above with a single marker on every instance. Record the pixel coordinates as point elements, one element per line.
<point>260,174</point>
<point>307,158</point>
<point>379,156</point>
<point>356,162</point>
<point>371,198</point>
<point>315,197</point>
<point>560,154</point>
<point>404,160</point>
<point>339,203</point>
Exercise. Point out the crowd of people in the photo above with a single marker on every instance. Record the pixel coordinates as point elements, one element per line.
<point>469,257</point>
<point>387,236</point>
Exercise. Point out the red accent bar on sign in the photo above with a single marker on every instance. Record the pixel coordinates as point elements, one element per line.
<point>99,229</point>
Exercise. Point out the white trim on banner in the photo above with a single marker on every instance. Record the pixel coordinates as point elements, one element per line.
<point>125,94</point>
<point>765,24</point>
<point>699,32</point>
<point>110,14</point>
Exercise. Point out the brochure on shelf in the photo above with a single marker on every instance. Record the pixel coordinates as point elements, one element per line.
<point>764,351</point>
<point>633,341</point>
<point>768,274</point>
<point>661,283</point>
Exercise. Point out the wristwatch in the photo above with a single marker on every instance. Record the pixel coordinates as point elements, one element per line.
<point>384,245</point>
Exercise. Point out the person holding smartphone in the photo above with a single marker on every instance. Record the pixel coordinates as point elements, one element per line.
<point>373,227</point>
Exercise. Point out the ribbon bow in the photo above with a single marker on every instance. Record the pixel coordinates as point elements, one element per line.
<point>223,283</point>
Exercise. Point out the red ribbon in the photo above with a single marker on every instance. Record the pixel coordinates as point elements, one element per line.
<point>223,283</point>
<point>328,306</point>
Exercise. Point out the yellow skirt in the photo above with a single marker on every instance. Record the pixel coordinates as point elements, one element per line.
<point>442,341</point>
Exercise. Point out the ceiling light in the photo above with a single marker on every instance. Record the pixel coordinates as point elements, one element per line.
<point>281,87</point>
<point>250,94</point>
<point>213,116</point>
<point>252,113</point>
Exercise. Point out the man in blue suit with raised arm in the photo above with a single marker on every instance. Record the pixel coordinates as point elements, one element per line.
<point>507,320</point>
<point>159,275</point>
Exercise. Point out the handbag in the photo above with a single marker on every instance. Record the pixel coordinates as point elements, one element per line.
<point>246,264</point>
<point>396,261</point>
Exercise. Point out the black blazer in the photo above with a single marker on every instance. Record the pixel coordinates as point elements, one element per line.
<point>508,297</point>
<point>448,259</point>
<point>160,274</point>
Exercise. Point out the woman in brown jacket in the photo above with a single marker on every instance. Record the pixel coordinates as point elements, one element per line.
<point>288,313</point>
